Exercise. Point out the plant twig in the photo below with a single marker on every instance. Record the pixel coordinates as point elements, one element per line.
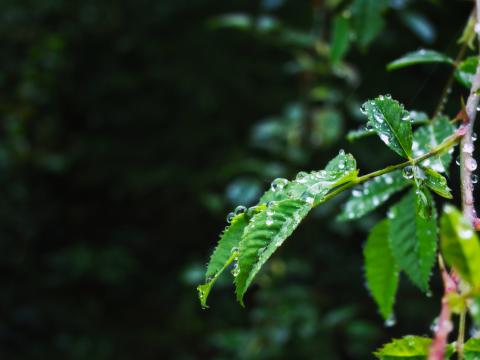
<point>444,326</point>
<point>467,162</point>
<point>461,334</point>
<point>444,146</point>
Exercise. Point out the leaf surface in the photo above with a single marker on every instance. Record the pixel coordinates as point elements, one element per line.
<point>392,124</point>
<point>413,238</point>
<point>372,194</point>
<point>427,137</point>
<point>340,38</point>
<point>381,270</point>
<point>263,235</point>
<point>460,246</point>
<point>419,57</point>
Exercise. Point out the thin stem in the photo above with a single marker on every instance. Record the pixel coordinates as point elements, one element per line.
<point>444,146</point>
<point>461,334</point>
<point>448,85</point>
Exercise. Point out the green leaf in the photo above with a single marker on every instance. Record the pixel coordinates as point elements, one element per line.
<point>340,38</point>
<point>460,246</point>
<point>372,194</point>
<point>437,183</point>
<point>413,238</point>
<point>263,235</point>
<point>471,349</point>
<point>313,186</point>
<point>381,270</point>
<point>235,20</point>
<point>474,308</point>
<point>223,255</point>
<point>409,348</point>
<point>288,204</point>
<point>419,57</point>
<point>391,122</point>
<point>465,71</point>
<point>429,136</point>
<point>367,20</point>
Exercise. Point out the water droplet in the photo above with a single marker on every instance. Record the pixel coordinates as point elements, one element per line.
<point>341,152</point>
<point>474,136</point>
<point>406,117</point>
<point>468,148</point>
<point>429,294</point>
<point>385,138</point>
<point>478,108</point>
<point>381,97</point>
<point>269,221</point>
<point>378,118</point>
<point>477,28</point>
<point>230,217</point>
<point>236,268</point>
<point>308,198</point>
<point>474,179</point>
<point>376,201</point>
<point>278,184</point>
<point>408,172</point>
<point>301,175</point>
<point>234,250</point>
<point>457,160</point>
<point>466,233</point>
<point>391,214</point>
<point>471,164</point>
<point>391,321</point>
<point>356,193</point>
<point>341,165</point>
<point>388,96</point>
<point>434,325</point>
<point>239,210</point>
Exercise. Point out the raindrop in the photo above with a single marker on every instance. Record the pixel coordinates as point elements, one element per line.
<point>307,198</point>
<point>478,108</point>
<point>385,138</point>
<point>341,165</point>
<point>408,172</point>
<point>230,217</point>
<point>301,176</point>
<point>388,180</point>
<point>457,161</point>
<point>471,164</point>
<point>474,136</point>
<point>278,184</point>
<point>429,294</point>
<point>434,326</point>
<point>236,269</point>
<point>341,152</point>
<point>466,233</point>
<point>391,321</point>
<point>381,97</point>
<point>356,193</point>
<point>234,250</point>
<point>406,117</point>
<point>468,148</point>
<point>239,210</point>
<point>269,221</point>
<point>474,179</point>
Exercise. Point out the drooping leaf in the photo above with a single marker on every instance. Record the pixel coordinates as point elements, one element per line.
<point>367,20</point>
<point>471,349</point>
<point>391,122</point>
<point>465,71</point>
<point>460,246</point>
<point>409,348</point>
<point>315,185</point>
<point>413,238</point>
<point>263,235</point>
<point>419,57</point>
<point>340,38</point>
<point>381,270</point>
<point>419,25</point>
<point>223,255</point>
<point>372,194</point>
<point>288,204</point>
<point>427,137</point>
<point>437,183</point>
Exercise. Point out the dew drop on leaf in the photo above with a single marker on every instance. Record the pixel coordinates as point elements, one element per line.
<point>468,148</point>
<point>278,184</point>
<point>408,172</point>
<point>239,210</point>
<point>230,216</point>
<point>391,321</point>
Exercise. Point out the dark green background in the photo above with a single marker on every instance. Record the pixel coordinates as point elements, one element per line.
<point>129,129</point>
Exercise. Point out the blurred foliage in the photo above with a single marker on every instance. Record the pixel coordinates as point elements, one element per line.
<point>129,130</point>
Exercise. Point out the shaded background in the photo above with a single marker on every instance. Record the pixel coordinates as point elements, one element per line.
<point>129,130</point>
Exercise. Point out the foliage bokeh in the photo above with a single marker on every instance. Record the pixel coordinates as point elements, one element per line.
<point>130,129</point>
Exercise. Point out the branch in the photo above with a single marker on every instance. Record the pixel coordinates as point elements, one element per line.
<point>437,349</point>
<point>441,148</point>
<point>467,162</point>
